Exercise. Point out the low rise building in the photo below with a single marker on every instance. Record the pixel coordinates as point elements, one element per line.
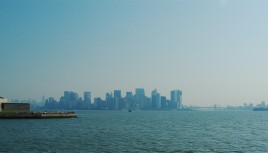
<point>15,107</point>
<point>2,100</point>
<point>5,106</point>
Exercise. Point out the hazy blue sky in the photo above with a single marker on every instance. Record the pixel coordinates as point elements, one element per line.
<point>215,51</point>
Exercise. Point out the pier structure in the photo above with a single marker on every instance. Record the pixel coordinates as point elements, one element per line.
<point>36,115</point>
<point>22,111</point>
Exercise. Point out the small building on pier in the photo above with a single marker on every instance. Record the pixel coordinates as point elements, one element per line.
<point>6,106</point>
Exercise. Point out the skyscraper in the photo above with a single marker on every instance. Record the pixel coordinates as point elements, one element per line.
<point>74,96</point>
<point>117,98</point>
<point>128,100</point>
<point>110,101</point>
<point>163,102</point>
<point>66,95</point>
<point>140,98</point>
<point>87,97</point>
<point>65,101</point>
<point>156,99</point>
<point>109,96</point>
<point>175,99</point>
<point>140,92</point>
<point>117,94</point>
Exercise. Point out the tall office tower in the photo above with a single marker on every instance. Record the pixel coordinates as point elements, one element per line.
<point>74,96</point>
<point>95,103</point>
<point>128,100</point>
<point>140,92</point>
<point>156,99</point>
<point>98,103</point>
<point>73,101</point>
<point>87,97</point>
<point>163,102</point>
<point>140,98</point>
<point>109,96</point>
<point>117,94</point>
<point>175,99</point>
<point>117,98</point>
<point>109,101</point>
<point>66,95</point>
<point>65,101</point>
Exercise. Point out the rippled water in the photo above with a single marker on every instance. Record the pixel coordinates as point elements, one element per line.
<point>139,131</point>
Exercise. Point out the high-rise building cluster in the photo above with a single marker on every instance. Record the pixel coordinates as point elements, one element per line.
<point>115,101</point>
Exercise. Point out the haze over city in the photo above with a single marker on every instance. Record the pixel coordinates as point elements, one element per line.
<point>214,51</point>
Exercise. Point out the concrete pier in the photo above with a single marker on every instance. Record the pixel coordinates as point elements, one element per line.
<point>36,115</point>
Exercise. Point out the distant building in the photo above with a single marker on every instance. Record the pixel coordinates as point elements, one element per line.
<point>87,97</point>
<point>66,95</point>
<point>50,99</point>
<point>51,104</point>
<point>148,103</point>
<point>140,98</point>
<point>99,103</point>
<point>117,94</point>
<point>74,96</point>
<point>70,100</point>
<point>175,99</point>
<point>140,92</point>
<point>96,102</point>
<point>109,96</point>
<point>128,100</point>
<point>110,101</point>
<point>117,98</point>
<point>156,99</point>
<point>129,94</point>
<point>163,102</point>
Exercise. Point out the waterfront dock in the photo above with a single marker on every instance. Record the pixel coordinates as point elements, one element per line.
<point>37,115</point>
<point>22,111</point>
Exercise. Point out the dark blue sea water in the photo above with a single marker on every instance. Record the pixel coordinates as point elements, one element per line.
<point>139,131</point>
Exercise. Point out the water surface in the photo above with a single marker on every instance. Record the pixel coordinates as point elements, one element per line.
<point>139,131</point>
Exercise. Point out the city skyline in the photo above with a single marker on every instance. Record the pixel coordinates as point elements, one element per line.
<point>213,50</point>
<point>114,101</point>
<point>89,96</point>
<point>127,100</point>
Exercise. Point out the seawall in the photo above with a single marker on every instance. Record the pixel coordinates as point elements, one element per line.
<point>36,115</point>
